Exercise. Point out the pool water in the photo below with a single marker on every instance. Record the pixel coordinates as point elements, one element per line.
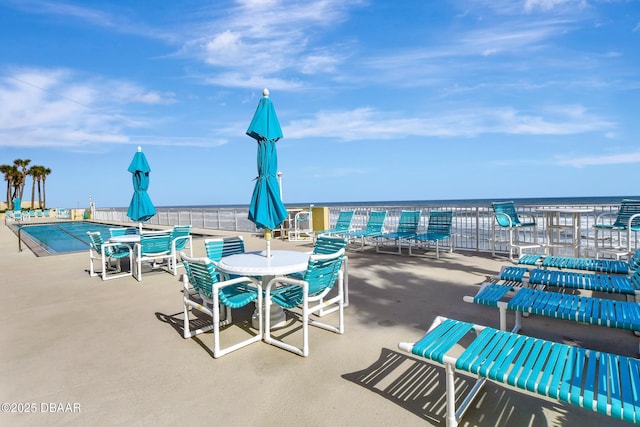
<point>64,237</point>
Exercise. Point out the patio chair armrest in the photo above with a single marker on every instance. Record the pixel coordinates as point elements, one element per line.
<point>116,248</point>
<point>175,241</point>
<point>603,216</point>
<point>632,218</point>
<point>237,281</point>
<point>527,215</point>
<point>507,217</point>
<point>284,280</point>
<point>116,245</point>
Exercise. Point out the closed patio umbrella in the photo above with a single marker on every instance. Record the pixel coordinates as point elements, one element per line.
<point>141,208</point>
<point>266,209</point>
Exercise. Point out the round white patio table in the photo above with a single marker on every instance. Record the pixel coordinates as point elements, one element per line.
<point>126,239</point>
<point>256,264</point>
<point>555,226</point>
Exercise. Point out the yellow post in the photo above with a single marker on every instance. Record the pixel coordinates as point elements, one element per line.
<point>320,218</point>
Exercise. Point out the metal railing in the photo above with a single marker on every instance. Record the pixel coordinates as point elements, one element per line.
<point>472,226</point>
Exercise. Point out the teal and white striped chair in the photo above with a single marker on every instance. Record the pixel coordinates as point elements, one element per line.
<point>310,294</point>
<point>509,221</point>
<point>373,228</point>
<point>439,228</point>
<point>154,247</point>
<point>180,240</point>
<point>301,227</point>
<point>407,227</point>
<point>105,253</point>
<point>328,245</point>
<point>204,290</point>
<point>342,225</point>
<point>627,221</point>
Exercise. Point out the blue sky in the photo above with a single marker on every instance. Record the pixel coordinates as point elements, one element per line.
<point>378,100</point>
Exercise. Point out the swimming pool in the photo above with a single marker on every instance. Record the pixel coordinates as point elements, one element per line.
<point>61,237</point>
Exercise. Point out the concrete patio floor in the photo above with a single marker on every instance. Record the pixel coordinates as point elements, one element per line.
<point>80,351</point>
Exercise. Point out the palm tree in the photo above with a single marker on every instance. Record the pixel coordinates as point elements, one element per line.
<point>43,177</point>
<point>19,184</point>
<point>36,173</point>
<point>15,176</point>
<point>7,171</point>
<point>17,181</point>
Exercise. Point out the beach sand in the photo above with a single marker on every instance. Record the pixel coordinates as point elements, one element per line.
<point>80,351</point>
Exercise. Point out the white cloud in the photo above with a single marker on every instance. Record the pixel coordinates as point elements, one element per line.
<point>370,124</point>
<point>614,159</point>
<point>547,5</point>
<point>268,40</point>
<point>114,19</point>
<point>58,108</point>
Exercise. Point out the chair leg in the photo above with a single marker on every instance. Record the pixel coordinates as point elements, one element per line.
<point>452,421</point>
<point>186,330</point>
<point>92,272</point>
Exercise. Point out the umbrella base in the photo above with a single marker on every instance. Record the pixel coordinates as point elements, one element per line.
<point>277,318</point>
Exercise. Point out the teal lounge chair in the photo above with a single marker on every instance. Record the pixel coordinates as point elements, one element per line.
<point>608,266</point>
<point>204,290</point>
<point>439,228</point>
<point>597,381</point>
<point>407,228</point>
<point>510,223</point>
<point>557,305</point>
<point>627,221</point>
<point>609,283</point>
<point>374,227</point>
<point>342,226</point>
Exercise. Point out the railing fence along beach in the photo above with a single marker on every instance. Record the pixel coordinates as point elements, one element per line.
<point>472,225</point>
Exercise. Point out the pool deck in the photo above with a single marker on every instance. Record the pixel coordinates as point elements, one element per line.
<point>112,353</point>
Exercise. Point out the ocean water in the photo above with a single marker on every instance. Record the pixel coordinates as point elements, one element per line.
<point>459,203</point>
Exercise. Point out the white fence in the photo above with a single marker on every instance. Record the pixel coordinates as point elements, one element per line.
<point>472,226</point>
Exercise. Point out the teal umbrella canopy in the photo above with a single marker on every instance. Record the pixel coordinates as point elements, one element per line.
<point>266,209</point>
<point>141,208</point>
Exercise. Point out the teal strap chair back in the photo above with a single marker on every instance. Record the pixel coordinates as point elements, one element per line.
<point>123,231</point>
<point>218,248</point>
<point>344,221</point>
<point>440,223</point>
<point>634,261</point>
<point>155,243</point>
<point>181,232</point>
<point>628,208</point>
<point>95,240</point>
<point>375,223</point>
<point>328,245</point>
<point>203,276</point>
<point>322,272</point>
<point>506,214</point>
<point>409,221</point>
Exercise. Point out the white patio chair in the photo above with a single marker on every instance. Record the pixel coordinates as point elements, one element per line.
<point>205,291</point>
